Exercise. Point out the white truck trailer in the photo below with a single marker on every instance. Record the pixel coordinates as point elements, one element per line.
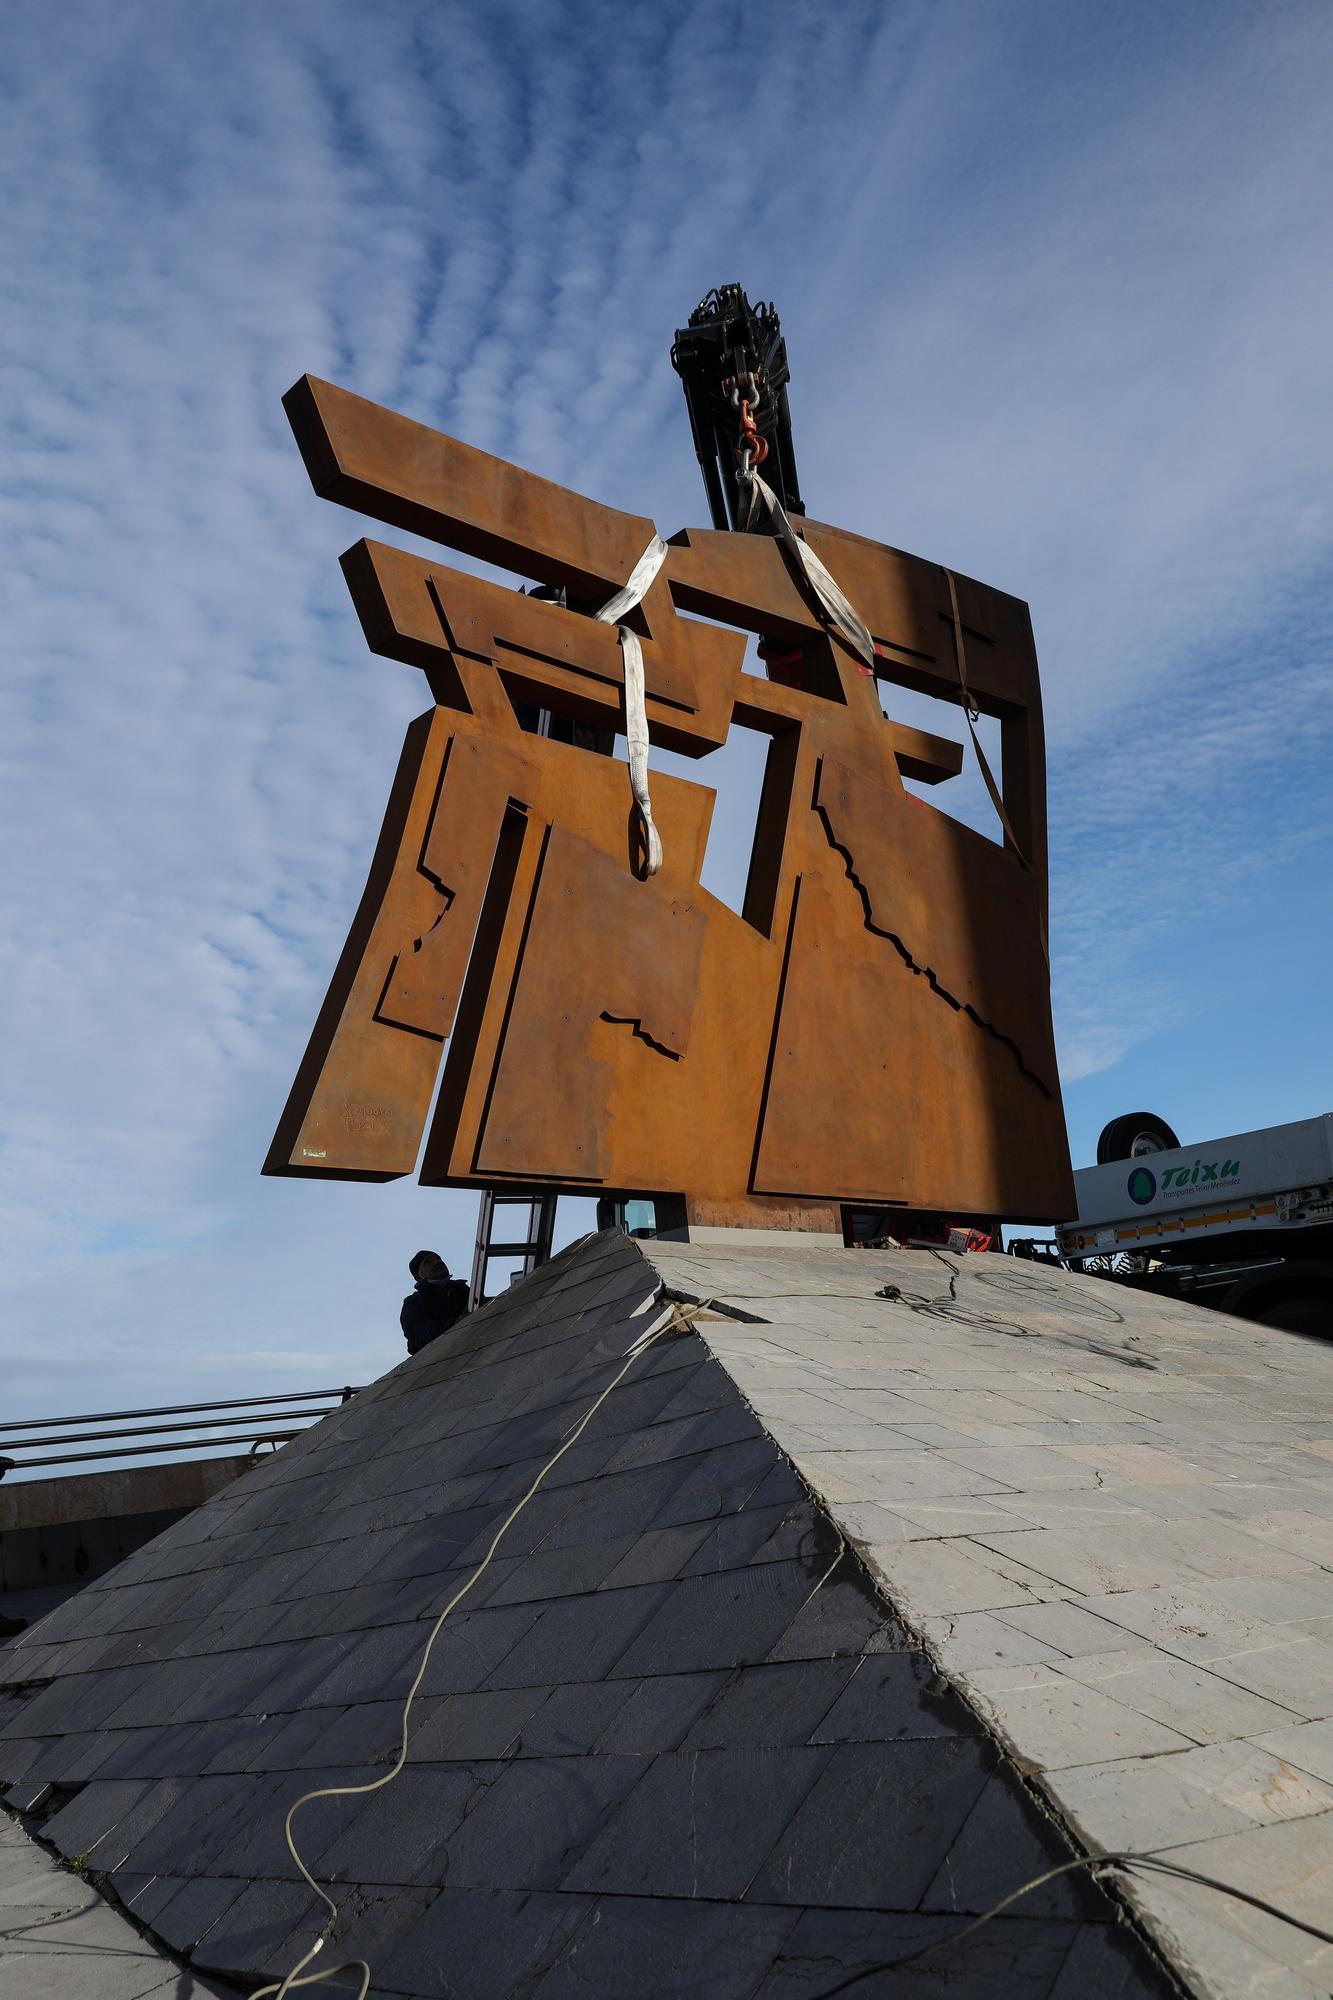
<point>1244,1223</point>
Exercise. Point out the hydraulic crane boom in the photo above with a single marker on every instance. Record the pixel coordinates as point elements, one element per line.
<point>732,353</point>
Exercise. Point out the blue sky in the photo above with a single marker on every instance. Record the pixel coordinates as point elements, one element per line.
<point>1056,285</point>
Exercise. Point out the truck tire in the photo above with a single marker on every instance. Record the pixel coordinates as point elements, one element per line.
<point>1131,1136</point>
<point>1301,1312</point>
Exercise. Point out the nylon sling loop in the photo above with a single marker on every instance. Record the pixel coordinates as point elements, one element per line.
<point>849,622</point>
<point>820,584</point>
<point>971,712</point>
<point>636,712</point>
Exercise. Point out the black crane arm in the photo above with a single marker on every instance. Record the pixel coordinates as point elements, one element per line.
<point>731,347</point>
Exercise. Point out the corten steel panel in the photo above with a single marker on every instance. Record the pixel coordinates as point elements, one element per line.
<point>906,866</point>
<point>635,967</point>
<point>875,1026</point>
<point>912,1087</point>
<point>405,473</point>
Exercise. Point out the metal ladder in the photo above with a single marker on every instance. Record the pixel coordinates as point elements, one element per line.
<point>534,1248</point>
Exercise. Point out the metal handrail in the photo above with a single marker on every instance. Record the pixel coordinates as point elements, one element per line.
<point>251,1438</point>
<point>251,1411</point>
<point>152,1430</point>
<point>184,1409</point>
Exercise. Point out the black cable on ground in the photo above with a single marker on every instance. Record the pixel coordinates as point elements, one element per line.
<point>946,1306</point>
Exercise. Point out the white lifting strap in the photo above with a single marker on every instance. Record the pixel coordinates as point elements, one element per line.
<point>842,613</point>
<point>636,713</point>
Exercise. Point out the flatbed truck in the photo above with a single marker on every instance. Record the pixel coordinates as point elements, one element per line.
<point>1244,1223</point>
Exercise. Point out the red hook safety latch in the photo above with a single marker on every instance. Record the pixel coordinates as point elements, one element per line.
<point>751,442</point>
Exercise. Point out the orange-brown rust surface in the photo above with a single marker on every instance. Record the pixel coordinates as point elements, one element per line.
<point>875,1026</point>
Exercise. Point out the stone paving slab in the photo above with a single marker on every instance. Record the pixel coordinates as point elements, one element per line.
<point>58,1937</point>
<point>1110,1519</point>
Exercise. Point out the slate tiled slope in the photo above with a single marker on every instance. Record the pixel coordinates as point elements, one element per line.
<point>673,1744</point>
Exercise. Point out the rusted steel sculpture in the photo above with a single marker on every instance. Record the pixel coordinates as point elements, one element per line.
<point>873,1028</point>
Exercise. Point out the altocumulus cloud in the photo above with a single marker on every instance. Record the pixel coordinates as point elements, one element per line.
<point>1055,283</point>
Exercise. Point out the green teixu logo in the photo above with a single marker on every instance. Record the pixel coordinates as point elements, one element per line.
<point>1201,1171</point>
<point>1142,1182</point>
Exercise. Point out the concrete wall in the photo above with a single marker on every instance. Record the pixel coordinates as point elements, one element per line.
<point>71,1529</point>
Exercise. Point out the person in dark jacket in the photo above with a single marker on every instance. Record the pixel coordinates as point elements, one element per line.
<point>436,1303</point>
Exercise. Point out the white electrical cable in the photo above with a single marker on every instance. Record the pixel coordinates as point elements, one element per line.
<point>676,1314</point>
<point>636,713</point>
<point>825,587</point>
